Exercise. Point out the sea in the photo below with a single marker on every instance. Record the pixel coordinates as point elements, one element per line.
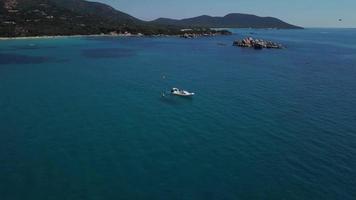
<point>91,117</point>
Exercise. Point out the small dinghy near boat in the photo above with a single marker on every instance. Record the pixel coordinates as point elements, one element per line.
<point>183,93</point>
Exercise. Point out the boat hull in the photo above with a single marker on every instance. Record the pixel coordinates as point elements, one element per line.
<point>183,95</point>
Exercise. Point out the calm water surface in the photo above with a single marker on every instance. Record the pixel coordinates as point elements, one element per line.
<point>83,118</point>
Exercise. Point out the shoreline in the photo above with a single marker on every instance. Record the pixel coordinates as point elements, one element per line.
<point>183,34</point>
<point>65,36</point>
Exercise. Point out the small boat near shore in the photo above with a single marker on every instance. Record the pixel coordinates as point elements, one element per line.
<point>183,93</point>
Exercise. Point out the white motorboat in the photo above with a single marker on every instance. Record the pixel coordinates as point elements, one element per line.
<point>178,92</point>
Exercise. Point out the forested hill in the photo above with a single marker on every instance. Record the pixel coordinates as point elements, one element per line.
<point>67,17</point>
<point>20,18</point>
<point>234,20</point>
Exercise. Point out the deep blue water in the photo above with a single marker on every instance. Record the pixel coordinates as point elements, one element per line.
<point>83,118</point>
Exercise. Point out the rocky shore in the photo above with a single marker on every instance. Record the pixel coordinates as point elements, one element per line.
<point>257,44</point>
<point>190,34</point>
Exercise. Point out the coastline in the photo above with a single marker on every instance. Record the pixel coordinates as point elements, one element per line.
<point>78,36</point>
<point>185,34</point>
<point>66,36</point>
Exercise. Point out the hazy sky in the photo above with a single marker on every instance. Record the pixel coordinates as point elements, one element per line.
<point>308,13</point>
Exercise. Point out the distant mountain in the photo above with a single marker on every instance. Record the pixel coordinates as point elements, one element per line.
<point>66,17</point>
<point>19,18</point>
<point>234,20</point>
<point>96,9</point>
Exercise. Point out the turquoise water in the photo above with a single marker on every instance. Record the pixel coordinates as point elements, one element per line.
<point>83,118</point>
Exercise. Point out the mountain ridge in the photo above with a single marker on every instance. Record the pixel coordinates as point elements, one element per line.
<point>232,20</point>
<point>21,18</point>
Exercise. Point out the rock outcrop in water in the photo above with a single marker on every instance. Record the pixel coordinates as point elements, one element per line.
<point>257,44</point>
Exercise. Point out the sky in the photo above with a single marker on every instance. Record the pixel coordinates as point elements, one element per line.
<point>307,13</point>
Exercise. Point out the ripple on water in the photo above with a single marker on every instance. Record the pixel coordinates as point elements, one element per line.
<point>108,53</point>
<point>30,47</point>
<point>11,58</point>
